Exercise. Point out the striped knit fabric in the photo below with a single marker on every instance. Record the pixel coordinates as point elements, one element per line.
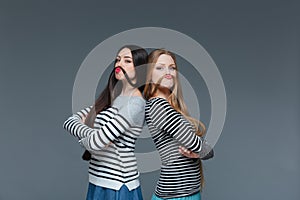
<point>112,142</point>
<point>179,176</point>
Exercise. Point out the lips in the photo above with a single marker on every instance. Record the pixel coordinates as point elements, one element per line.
<point>168,76</point>
<point>117,70</point>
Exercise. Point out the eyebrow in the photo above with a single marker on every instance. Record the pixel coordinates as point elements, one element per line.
<point>124,57</point>
<point>164,64</point>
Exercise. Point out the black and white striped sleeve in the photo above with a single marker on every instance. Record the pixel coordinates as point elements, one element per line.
<point>73,123</point>
<point>166,118</point>
<point>99,138</point>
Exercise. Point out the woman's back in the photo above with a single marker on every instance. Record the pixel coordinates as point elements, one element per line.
<point>180,175</point>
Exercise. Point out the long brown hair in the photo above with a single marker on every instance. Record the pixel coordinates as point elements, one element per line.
<point>176,97</point>
<point>114,87</point>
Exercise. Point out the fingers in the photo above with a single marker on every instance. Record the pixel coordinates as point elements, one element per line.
<point>83,118</point>
<point>187,153</point>
<point>181,149</point>
<point>184,151</point>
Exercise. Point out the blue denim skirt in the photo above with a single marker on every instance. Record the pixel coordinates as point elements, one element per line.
<point>100,193</point>
<point>196,196</point>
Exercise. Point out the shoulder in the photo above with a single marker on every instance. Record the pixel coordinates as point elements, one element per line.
<point>128,101</point>
<point>158,102</point>
<point>136,110</point>
<point>132,108</point>
<point>136,107</point>
<point>136,101</point>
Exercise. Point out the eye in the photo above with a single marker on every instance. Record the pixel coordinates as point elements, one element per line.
<point>159,68</point>
<point>128,61</point>
<point>172,68</point>
<point>117,60</point>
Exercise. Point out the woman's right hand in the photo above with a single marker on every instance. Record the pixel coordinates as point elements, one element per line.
<point>187,153</point>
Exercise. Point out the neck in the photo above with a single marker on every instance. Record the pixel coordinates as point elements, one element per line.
<point>162,92</point>
<point>127,89</point>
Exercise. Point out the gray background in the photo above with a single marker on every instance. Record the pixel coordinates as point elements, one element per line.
<point>255,44</point>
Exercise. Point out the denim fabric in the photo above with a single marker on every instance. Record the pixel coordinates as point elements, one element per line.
<point>100,193</point>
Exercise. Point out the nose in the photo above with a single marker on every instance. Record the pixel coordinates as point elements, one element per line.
<point>118,64</point>
<point>167,70</point>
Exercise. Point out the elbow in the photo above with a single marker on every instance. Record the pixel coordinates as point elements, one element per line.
<point>65,124</point>
<point>208,156</point>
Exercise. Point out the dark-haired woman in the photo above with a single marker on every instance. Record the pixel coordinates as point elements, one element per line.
<point>109,128</point>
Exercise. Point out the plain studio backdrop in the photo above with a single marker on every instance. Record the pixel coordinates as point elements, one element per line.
<point>255,45</point>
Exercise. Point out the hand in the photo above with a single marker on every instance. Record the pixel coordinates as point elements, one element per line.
<point>187,153</point>
<point>83,118</point>
<point>108,144</point>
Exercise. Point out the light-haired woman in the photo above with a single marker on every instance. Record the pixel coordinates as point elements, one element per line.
<point>177,136</point>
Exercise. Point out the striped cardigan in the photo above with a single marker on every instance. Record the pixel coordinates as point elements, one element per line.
<point>179,176</point>
<point>112,142</point>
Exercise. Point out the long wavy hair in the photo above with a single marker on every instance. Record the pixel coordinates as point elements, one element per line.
<point>114,86</point>
<point>176,96</point>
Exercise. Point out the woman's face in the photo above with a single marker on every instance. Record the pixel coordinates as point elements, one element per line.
<point>125,61</point>
<point>164,70</point>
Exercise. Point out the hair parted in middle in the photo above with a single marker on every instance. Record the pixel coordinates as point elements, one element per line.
<point>176,96</point>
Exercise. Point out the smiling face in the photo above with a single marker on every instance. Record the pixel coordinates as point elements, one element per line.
<point>164,71</point>
<point>125,61</point>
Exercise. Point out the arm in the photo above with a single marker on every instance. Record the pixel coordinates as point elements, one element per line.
<point>73,122</point>
<point>203,155</point>
<point>209,155</point>
<point>126,117</point>
<point>166,118</point>
<point>207,152</point>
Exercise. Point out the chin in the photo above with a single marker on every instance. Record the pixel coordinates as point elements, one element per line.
<point>167,85</point>
<point>119,77</point>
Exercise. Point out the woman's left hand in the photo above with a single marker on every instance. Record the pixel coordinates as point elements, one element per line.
<point>187,153</point>
<point>83,118</point>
